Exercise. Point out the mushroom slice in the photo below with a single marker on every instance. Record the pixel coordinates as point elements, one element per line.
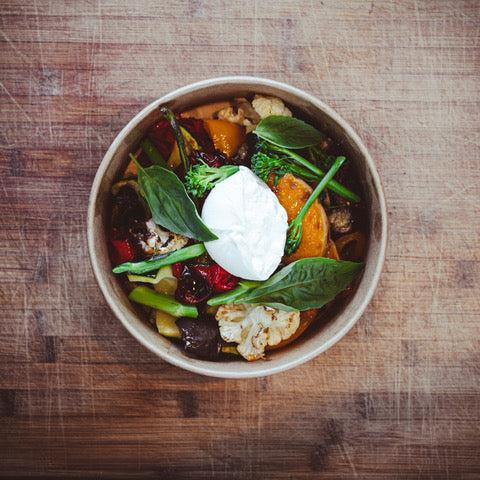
<point>340,219</point>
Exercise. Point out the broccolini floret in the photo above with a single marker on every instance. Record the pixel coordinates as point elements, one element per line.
<point>201,178</point>
<point>273,159</point>
<point>264,165</point>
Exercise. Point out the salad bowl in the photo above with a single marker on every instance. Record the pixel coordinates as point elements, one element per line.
<point>317,339</point>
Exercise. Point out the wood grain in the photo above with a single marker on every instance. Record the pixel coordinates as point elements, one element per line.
<point>398,398</point>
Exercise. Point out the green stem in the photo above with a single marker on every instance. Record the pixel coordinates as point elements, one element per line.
<point>151,298</point>
<point>152,153</point>
<point>155,263</point>
<point>232,295</point>
<point>332,184</point>
<point>170,116</point>
<point>319,188</point>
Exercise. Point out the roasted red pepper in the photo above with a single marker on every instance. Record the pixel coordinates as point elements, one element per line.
<point>220,279</point>
<point>203,270</point>
<point>177,269</point>
<point>123,251</point>
<point>161,135</point>
<point>198,281</point>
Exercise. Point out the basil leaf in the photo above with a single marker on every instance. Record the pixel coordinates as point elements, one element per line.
<point>304,284</point>
<point>170,204</point>
<point>288,132</point>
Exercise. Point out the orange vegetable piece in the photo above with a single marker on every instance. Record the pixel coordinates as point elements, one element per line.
<point>331,251</point>
<point>131,170</point>
<point>226,136</point>
<point>292,193</point>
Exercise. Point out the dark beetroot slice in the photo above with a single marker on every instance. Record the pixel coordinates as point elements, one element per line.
<point>200,336</point>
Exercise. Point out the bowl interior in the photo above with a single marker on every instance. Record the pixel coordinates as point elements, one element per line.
<point>326,333</point>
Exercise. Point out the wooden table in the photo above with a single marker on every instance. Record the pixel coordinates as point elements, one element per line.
<point>398,398</point>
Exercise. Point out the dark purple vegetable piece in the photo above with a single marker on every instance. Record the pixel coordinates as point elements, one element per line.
<point>214,158</point>
<point>245,151</point>
<point>200,336</point>
<point>128,209</point>
<point>193,287</point>
<point>196,128</point>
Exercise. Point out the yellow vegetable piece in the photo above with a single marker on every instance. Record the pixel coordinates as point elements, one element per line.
<point>191,144</point>
<point>166,325</point>
<point>167,286</point>
<point>331,251</point>
<point>164,272</point>
<point>211,309</point>
<point>226,136</point>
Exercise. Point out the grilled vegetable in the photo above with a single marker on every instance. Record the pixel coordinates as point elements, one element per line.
<point>152,153</point>
<point>201,337</point>
<point>166,325</point>
<point>294,234</point>
<point>226,136</point>
<point>292,193</point>
<point>340,219</point>
<point>255,327</point>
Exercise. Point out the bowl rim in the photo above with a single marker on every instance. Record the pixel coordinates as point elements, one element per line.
<point>221,369</point>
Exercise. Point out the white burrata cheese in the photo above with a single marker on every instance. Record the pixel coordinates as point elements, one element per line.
<point>250,224</point>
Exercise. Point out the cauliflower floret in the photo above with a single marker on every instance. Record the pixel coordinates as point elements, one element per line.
<point>157,241</point>
<point>241,112</point>
<point>254,327</point>
<point>266,106</point>
<point>239,117</point>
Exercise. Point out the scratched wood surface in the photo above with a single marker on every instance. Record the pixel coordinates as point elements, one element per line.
<point>398,398</point>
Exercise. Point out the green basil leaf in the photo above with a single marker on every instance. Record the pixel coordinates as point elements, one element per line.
<point>304,284</point>
<point>170,204</point>
<point>288,132</point>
